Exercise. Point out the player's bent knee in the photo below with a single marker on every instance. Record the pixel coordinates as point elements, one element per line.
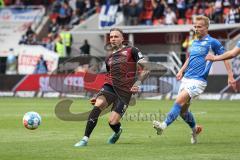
<point>113,122</point>
<point>101,102</point>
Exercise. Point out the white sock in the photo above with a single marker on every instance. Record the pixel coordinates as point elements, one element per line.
<point>85,138</point>
<point>194,129</point>
<point>164,125</point>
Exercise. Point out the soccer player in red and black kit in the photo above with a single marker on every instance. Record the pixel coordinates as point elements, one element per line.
<point>123,80</point>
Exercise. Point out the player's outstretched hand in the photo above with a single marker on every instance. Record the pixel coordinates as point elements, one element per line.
<point>93,101</point>
<point>179,75</point>
<point>134,89</point>
<point>210,57</point>
<point>233,83</point>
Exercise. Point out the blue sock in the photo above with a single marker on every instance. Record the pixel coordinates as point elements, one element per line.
<point>173,114</point>
<point>189,119</point>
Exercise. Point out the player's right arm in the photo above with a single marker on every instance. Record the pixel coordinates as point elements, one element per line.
<point>181,71</point>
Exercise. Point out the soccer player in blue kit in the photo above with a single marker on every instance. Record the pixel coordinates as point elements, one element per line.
<point>193,76</point>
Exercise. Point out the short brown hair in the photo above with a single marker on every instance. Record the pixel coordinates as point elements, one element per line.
<point>204,18</point>
<point>117,29</point>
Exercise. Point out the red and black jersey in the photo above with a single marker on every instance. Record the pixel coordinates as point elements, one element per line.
<point>122,68</point>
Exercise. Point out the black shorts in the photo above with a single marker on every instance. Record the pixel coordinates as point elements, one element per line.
<point>119,102</point>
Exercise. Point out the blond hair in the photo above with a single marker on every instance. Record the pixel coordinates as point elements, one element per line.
<point>203,18</point>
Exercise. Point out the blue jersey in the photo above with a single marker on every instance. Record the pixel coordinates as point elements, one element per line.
<point>198,68</point>
<point>238,44</point>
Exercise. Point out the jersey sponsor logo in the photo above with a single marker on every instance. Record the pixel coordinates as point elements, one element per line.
<point>140,55</point>
<point>198,49</point>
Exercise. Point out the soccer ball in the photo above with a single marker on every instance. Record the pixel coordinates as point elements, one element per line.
<point>31,120</point>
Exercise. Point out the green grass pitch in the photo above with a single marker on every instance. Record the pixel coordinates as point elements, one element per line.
<point>54,139</point>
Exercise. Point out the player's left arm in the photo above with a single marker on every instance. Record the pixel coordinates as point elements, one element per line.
<point>219,50</point>
<point>231,80</point>
<point>143,73</point>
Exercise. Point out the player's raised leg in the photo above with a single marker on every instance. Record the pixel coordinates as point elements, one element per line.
<point>92,120</point>
<point>119,108</point>
<point>188,117</point>
<point>114,123</point>
<point>182,98</point>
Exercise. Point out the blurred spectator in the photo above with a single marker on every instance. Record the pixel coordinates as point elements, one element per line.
<point>170,17</point>
<point>11,63</point>
<point>41,67</point>
<point>158,11</point>
<point>190,3</point>
<point>75,19</point>
<point>171,4</point>
<point>59,47</point>
<point>29,32</point>
<point>67,40</point>
<point>232,16</point>
<point>182,11</point>
<point>147,13</point>
<point>29,38</point>
<point>56,7</point>
<point>226,3</point>
<point>80,7</point>
<point>131,11</point>
<point>23,40</point>
<point>181,6</point>
<point>72,4</point>
<point>187,44</point>
<point>32,40</point>
<point>189,15</point>
<point>217,18</point>
<point>195,11</point>
<point>54,27</point>
<point>200,12</point>
<point>64,14</point>
<point>91,4</point>
<point>209,11</point>
<point>48,42</point>
<point>85,48</point>
<point>238,13</point>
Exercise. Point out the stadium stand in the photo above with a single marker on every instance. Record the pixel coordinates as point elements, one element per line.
<point>157,27</point>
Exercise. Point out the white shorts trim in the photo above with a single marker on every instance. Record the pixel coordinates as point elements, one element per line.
<point>192,86</point>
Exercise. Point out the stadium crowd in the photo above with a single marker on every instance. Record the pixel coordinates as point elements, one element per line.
<point>149,12</point>
<point>136,12</point>
<point>169,12</point>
